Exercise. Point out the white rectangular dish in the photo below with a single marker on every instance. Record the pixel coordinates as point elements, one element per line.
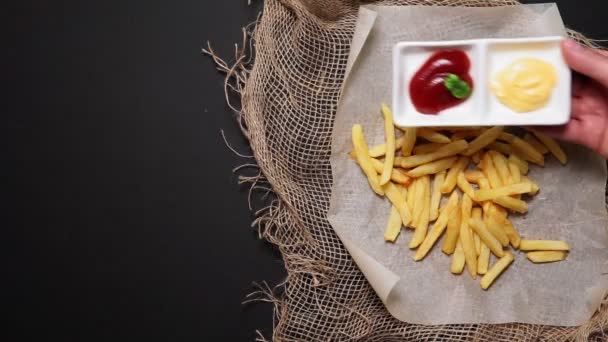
<point>482,108</point>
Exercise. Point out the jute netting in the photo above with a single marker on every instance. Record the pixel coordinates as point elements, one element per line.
<point>289,98</point>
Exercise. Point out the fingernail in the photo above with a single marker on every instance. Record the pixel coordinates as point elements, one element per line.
<point>572,45</point>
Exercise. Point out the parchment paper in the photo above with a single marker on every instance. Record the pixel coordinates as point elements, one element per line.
<point>570,205</point>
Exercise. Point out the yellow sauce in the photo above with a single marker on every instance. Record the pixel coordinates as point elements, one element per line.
<point>525,85</point>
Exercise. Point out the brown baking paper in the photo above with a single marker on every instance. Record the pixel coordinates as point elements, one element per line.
<point>569,207</point>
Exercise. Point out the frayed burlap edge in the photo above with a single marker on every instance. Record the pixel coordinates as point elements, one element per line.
<point>267,218</point>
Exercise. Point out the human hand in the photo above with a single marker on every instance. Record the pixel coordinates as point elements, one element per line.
<point>588,125</point>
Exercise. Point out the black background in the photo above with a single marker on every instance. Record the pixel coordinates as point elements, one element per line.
<point>122,219</point>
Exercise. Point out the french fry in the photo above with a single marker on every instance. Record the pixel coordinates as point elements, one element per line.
<point>515,173</point>
<point>546,256</point>
<point>509,190</point>
<point>496,270</point>
<point>484,259</point>
<point>364,159</point>
<point>423,221</point>
<point>484,184</point>
<point>466,238</point>
<point>451,238</point>
<point>432,136</point>
<point>436,195</point>
<point>464,186</point>
<point>483,140</point>
<point>432,167</point>
<point>529,153</point>
<point>379,150</point>
<point>446,151</point>
<point>393,226</point>
<point>512,233</point>
<point>427,148</point>
<point>409,140</point>
<point>534,186</point>
<point>495,228</point>
<point>473,176</point>
<point>543,245</point>
<point>458,261</point>
<point>489,170</point>
<point>465,134</point>
<point>480,228</point>
<point>530,139</point>
<point>511,203</point>
<point>397,175</point>
<point>476,157</point>
<point>521,164</point>
<point>476,214</point>
<point>389,133</point>
<point>500,163</point>
<point>506,137</point>
<point>395,196</point>
<point>438,228</point>
<point>411,198</point>
<point>553,146</point>
<point>500,147</point>
<point>452,176</point>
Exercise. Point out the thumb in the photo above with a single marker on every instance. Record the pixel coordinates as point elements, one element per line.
<point>586,61</point>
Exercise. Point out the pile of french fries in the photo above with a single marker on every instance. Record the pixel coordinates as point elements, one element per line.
<point>481,172</point>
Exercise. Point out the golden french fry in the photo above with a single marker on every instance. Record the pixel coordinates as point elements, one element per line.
<point>506,137</point>
<point>476,214</point>
<point>500,147</point>
<point>480,228</point>
<point>483,140</point>
<point>432,136</point>
<point>553,147</point>
<point>458,261</point>
<point>464,186</point>
<point>389,133</point>
<point>452,176</point>
<point>465,134</point>
<point>484,259</point>
<point>528,152</point>
<point>427,148</point>
<point>509,190</point>
<point>530,139</point>
<point>500,163</point>
<point>543,245</point>
<point>364,160</point>
<point>393,226</point>
<point>397,175</point>
<point>379,150</point>
<point>451,238</point>
<point>422,223</point>
<point>484,184</point>
<point>511,203</point>
<point>515,173</point>
<point>395,196</point>
<point>438,228</point>
<point>495,228</point>
<point>466,237</point>
<point>473,176</point>
<point>512,233</point>
<point>409,140</point>
<point>534,186</point>
<point>432,167</point>
<point>476,157</point>
<point>436,195</point>
<point>447,150</point>
<point>488,168</point>
<point>546,256</point>
<point>496,270</point>
<point>411,198</point>
<point>521,164</point>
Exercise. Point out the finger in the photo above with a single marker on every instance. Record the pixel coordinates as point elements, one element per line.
<point>586,61</point>
<point>579,107</point>
<point>578,84</point>
<point>572,131</point>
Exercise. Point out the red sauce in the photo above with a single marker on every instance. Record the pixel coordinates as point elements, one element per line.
<point>427,90</point>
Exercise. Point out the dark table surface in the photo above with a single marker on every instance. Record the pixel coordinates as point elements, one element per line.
<point>122,217</point>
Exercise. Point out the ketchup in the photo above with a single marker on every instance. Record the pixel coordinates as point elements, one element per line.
<point>428,91</point>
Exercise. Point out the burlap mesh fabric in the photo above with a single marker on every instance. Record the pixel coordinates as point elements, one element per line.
<point>289,100</point>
